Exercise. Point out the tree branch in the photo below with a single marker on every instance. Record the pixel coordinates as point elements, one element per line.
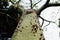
<point>47,24</point>
<point>11,2</point>
<point>46,21</point>
<point>43,7</point>
<point>42,23</point>
<point>31,4</point>
<point>36,3</point>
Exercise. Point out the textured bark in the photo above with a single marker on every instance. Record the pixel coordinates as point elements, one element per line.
<point>28,27</point>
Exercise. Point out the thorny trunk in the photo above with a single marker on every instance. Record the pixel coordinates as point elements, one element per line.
<point>28,27</point>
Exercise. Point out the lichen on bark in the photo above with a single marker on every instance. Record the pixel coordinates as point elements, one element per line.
<point>28,27</point>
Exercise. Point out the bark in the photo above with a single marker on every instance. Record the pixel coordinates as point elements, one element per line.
<point>28,27</point>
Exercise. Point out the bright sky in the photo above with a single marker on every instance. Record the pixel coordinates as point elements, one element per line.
<point>50,13</point>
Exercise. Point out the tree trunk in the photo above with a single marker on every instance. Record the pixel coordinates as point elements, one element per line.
<point>28,27</point>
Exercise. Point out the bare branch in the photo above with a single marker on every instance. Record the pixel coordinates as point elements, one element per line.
<point>47,24</point>
<point>11,2</point>
<point>42,23</point>
<point>43,7</point>
<point>46,21</point>
<point>31,4</point>
<point>36,3</point>
<point>47,4</point>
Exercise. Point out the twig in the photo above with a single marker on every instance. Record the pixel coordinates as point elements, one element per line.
<point>42,23</point>
<point>11,2</point>
<point>47,24</point>
<point>36,3</point>
<point>46,21</point>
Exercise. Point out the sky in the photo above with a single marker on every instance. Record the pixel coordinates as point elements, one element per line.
<point>51,32</point>
<point>52,14</point>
